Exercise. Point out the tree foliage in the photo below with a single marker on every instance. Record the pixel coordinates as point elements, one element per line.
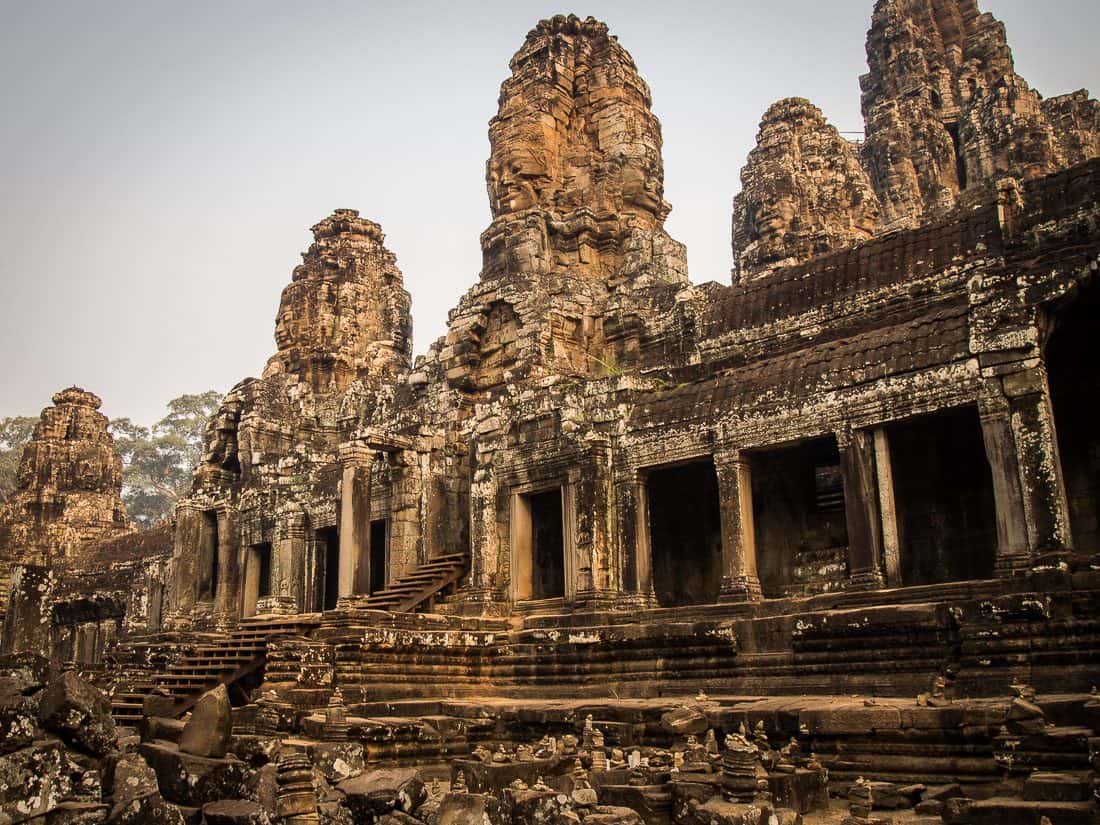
<point>158,462</point>
<point>15,432</point>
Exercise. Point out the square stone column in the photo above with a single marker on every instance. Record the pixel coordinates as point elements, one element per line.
<point>1013,548</point>
<point>861,509</point>
<point>1046,510</point>
<point>740,582</point>
<point>184,571</point>
<point>230,562</point>
<point>354,515</point>
<point>288,561</point>
<point>589,510</point>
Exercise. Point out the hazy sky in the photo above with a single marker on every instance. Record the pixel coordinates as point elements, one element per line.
<point>161,162</point>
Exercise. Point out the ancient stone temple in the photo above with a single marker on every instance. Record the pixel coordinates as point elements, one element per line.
<point>69,487</point>
<point>813,545</point>
<point>260,530</point>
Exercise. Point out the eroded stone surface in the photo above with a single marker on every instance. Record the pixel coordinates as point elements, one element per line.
<point>803,192</point>
<point>69,487</point>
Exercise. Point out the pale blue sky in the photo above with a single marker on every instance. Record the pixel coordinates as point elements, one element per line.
<point>161,162</point>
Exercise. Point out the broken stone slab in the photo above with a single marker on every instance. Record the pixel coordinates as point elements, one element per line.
<point>147,810</point>
<point>612,815</point>
<point>374,794</point>
<point>337,761</point>
<point>684,720</point>
<point>334,813</point>
<point>129,778</point>
<point>161,727</point>
<point>190,780</point>
<point>79,713</point>
<point>235,812</point>
<point>1010,811</point>
<point>1049,786</point>
<point>802,791</point>
<point>717,811</point>
<point>471,809</point>
<point>77,813</point>
<point>262,786</point>
<point>210,727</point>
<point>18,717</point>
<point>535,806</point>
<point>253,749</point>
<point>36,779</point>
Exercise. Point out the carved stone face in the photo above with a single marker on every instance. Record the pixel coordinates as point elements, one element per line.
<point>773,218</point>
<point>514,175</point>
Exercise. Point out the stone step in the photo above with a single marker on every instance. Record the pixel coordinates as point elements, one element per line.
<point>1051,786</point>
<point>1006,811</point>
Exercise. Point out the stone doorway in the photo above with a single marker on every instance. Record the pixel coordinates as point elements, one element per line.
<point>209,550</point>
<point>943,490</point>
<point>257,578</point>
<point>1074,375</point>
<point>798,512</point>
<point>328,554</point>
<point>685,534</point>
<point>538,545</point>
<point>379,536</point>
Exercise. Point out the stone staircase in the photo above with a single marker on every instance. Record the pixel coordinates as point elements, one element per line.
<point>214,660</point>
<point>419,589</point>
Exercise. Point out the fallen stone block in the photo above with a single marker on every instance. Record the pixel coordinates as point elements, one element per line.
<point>208,730</point>
<point>79,713</point>
<point>374,794</point>
<point>148,810</point>
<point>684,720</point>
<point>235,812</point>
<point>77,813</point>
<point>186,779</point>
<point>337,761</point>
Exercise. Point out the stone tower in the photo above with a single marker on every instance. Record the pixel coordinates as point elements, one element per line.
<point>576,187</point>
<point>343,337</point>
<point>945,111</point>
<point>803,193</point>
<point>69,486</point>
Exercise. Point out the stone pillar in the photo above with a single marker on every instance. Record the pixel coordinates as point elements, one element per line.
<point>230,563</point>
<point>1013,549</point>
<point>1046,510</point>
<point>740,582</point>
<point>355,521</point>
<point>184,571</point>
<point>861,509</point>
<point>891,535</point>
<point>589,507</point>
<point>486,587</point>
<point>288,562</point>
<point>28,620</point>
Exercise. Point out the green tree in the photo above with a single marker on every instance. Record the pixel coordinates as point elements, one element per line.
<point>158,463</point>
<point>15,432</point>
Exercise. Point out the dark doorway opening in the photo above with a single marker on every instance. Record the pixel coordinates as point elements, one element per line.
<point>263,556</point>
<point>685,533</point>
<point>1073,370</point>
<point>798,510</point>
<point>208,556</point>
<point>943,489</point>
<point>328,549</point>
<point>547,545</point>
<point>378,538</point>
